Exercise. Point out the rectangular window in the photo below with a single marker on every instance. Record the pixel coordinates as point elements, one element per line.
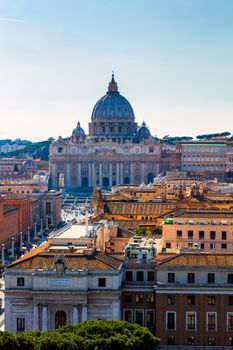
<point>202,246</point>
<point>230,321</point>
<point>129,276</point>
<point>190,235</point>
<point>190,321</point>
<point>230,278</point>
<point>128,315</point>
<point>140,276</point>
<point>179,234</point>
<point>211,321</point>
<point>211,300</point>
<point>128,298</point>
<point>139,317</point>
<point>224,246</point>
<point>20,281</point>
<point>150,298</point>
<point>201,235</point>
<point>212,235</point>
<point>230,300</point>
<point>224,235</point>
<point>191,277</point>
<point>171,299</point>
<point>150,276</point>
<point>20,323</point>
<point>191,300</point>
<point>211,278</point>
<point>171,277</point>
<point>171,321</point>
<point>150,318</point>
<point>139,297</point>
<point>168,245</point>
<point>102,282</point>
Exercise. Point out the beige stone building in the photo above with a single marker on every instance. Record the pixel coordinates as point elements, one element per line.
<point>115,151</point>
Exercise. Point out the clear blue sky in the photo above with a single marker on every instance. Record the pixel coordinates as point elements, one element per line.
<point>173,60</point>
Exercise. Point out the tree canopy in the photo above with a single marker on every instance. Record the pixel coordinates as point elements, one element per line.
<point>89,335</point>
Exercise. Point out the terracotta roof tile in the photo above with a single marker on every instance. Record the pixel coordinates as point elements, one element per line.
<point>150,208</point>
<point>47,261</point>
<point>199,259</point>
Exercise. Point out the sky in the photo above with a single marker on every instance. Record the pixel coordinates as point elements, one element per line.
<point>172,59</point>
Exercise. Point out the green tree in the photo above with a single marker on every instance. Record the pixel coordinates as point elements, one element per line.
<point>89,335</point>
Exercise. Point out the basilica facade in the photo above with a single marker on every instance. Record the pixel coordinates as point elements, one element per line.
<point>115,150</point>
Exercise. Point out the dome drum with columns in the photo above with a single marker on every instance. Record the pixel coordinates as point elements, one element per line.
<point>114,152</point>
<point>113,116</point>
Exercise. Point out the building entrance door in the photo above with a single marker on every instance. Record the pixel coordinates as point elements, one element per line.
<point>60,319</point>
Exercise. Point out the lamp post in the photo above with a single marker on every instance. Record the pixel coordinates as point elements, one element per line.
<point>20,241</point>
<point>35,230</point>
<point>29,238</point>
<point>3,251</point>
<point>41,226</point>
<point>13,246</point>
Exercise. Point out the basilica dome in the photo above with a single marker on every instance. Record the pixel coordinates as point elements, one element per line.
<point>143,132</point>
<point>78,130</point>
<point>112,106</point>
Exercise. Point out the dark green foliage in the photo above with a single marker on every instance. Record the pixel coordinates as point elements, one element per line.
<point>172,140</point>
<point>211,136</point>
<point>89,335</point>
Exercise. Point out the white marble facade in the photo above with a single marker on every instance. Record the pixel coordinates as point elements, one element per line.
<point>75,293</point>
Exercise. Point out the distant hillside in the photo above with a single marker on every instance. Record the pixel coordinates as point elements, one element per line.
<point>35,150</point>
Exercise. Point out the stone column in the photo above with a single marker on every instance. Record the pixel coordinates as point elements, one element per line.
<point>35,317</point>
<point>117,173</point>
<point>100,175</point>
<point>110,175</point>
<point>93,175</point>
<point>75,314</point>
<point>142,172</point>
<point>116,310</point>
<point>79,175</point>
<point>67,176</point>
<point>84,313</point>
<point>121,173</point>
<point>89,175</point>
<point>131,173</point>
<point>44,317</point>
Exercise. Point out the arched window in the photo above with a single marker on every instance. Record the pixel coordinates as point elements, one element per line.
<point>60,319</point>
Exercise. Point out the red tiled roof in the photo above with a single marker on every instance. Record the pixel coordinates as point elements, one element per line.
<point>199,259</point>
<point>136,208</point>
<point>40,259</point>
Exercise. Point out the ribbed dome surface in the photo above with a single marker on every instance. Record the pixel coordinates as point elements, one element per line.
<point>112,105</point>
<point>79,131</point>
<point>143,132</point>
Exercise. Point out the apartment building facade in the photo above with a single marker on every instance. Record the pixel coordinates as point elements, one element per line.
<point>208,230</point>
